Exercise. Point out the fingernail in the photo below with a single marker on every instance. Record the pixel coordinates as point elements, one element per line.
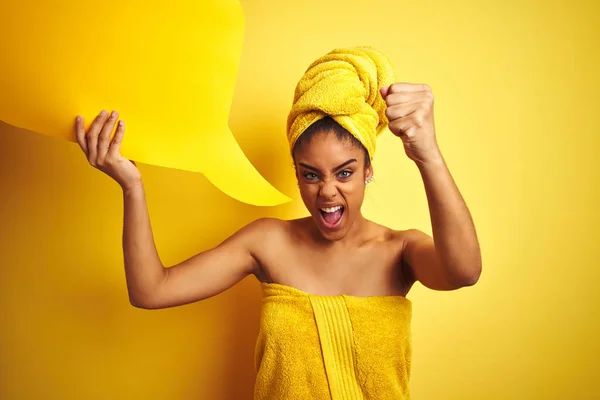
<point>103,113</point>
<point>121,123</point>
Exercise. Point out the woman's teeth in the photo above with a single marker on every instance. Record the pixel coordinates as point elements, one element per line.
<point>331,209</point>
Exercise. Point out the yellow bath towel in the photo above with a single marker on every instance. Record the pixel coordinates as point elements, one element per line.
<point>332,347</point>
<point>343,84</point>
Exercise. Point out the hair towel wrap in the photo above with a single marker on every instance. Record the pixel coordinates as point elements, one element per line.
<point>343,84</point>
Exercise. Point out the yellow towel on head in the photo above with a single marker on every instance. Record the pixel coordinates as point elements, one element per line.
<point>343,84</point>
<point>332,347</point>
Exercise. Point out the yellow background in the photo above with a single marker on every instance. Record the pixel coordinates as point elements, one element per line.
<point>516,110</point>
<point>169,70</point>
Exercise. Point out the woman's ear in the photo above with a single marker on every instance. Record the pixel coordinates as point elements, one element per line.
<point>369,172</point>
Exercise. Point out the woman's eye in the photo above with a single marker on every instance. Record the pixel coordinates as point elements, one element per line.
<point>345,174</point>
<point>310,175</point>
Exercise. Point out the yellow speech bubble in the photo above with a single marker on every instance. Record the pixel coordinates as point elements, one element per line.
<point>169,68</point>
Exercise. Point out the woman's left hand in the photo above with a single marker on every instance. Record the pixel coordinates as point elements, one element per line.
<point>410,114</point>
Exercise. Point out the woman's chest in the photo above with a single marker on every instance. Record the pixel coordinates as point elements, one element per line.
<point>368,271</point>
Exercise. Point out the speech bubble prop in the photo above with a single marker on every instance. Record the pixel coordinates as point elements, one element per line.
<point>169,68</point>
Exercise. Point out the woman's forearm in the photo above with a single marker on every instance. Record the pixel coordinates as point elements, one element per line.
<point>453,230</point>
<point>143,268</point>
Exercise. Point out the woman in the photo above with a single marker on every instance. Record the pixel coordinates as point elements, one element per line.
<point>335,321</point>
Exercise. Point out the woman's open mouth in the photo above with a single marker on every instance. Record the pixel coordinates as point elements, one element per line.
<point>332,216</point>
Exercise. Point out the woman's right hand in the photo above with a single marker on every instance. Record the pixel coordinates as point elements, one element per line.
<point>103,153</point>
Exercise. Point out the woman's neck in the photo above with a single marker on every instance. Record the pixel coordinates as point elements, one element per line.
<point>357,234</point>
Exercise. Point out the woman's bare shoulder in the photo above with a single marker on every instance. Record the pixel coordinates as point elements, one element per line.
<point>271,241</point>
<point>266,226</point>
<point>394,241</point>
<point>386,234</point>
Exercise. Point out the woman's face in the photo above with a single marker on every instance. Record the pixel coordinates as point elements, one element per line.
<point>331,177</point>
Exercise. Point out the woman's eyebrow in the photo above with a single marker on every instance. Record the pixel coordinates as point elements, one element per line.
<point>333,170</point>
<point>344,164</point>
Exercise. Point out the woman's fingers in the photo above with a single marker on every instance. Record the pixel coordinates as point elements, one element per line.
<point>97,144</point>
<point>115,144</point>
<point>92,137</point>
<point>80,134</point>
<point>104,137</point>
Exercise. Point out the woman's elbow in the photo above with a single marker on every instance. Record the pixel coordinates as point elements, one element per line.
<point>140,302</point>
<point>465,276</point>
<point>471,276</point>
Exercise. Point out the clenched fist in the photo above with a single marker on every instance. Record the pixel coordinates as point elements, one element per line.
<point>410,114</point>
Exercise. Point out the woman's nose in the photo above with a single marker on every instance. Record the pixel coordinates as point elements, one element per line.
<point>328,189</point>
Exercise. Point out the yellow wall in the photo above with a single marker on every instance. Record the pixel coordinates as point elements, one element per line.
<point>516,111</point>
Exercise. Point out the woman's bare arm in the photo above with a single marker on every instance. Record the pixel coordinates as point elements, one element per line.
<point>452,258</point>
<point>152,286</point>
<point>149,283</point>
<point>143,268</point>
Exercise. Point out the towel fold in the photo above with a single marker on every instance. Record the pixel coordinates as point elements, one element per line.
<point>343,84</point>
<point>332,347</point>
